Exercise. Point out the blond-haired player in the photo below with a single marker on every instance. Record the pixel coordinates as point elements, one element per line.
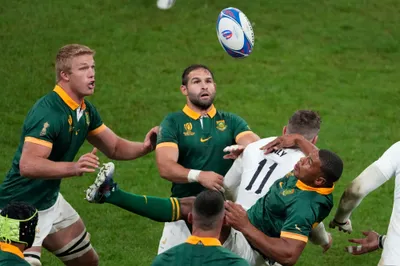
<point>53,131</point>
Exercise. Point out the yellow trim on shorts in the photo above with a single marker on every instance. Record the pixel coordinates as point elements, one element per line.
<point>294,236</point>
<point>39,142</point>
<point>97,130</point>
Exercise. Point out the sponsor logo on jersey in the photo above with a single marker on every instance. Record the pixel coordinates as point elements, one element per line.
<point>87,118</point>
<point>221,125</point>
<point>188,129</point>
<point>70,123</point>
<point>205,140</point>
<point>287,192</point>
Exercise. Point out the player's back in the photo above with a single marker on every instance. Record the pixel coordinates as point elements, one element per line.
<point>260,171</point>
<point>187,254</point>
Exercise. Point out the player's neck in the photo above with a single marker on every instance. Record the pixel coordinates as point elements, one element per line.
<point>210,234</point>
<point>197,109</point>
<point>71,94</point>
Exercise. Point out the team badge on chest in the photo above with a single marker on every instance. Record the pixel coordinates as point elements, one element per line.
<point>188,129</point>
<point>221,125</point>
<point>87,118</point>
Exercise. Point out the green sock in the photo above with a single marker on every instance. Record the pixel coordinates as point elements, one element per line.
<point>157,209</point>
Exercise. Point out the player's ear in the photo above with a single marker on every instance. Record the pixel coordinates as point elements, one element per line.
<point>64,75</point>
<point>284,130</point>
<point>184,90</point>
<point>320,181</point>
<point>314,140</point>
<point>190,218</point>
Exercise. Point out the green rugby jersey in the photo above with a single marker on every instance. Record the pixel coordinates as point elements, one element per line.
<point>200,141</point>
<point>11,256</point>
<point>57,122</point>
<point>199,251</point>
<point>291,209</point>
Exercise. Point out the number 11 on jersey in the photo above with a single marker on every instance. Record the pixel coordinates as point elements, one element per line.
<point>261,165</point>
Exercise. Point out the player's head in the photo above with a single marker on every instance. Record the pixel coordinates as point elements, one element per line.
<point>198,86</point>
<point>208,211</point>
<point>306,123</point>
<point>18,223</point>
<point>75,69</point>
<point>321,168</point>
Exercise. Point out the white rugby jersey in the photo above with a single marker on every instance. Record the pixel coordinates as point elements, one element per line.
<point>253,173</point>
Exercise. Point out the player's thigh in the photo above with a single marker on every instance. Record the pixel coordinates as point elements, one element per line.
<point>45,222</point>
<point>69,240</point>
<point>174,233</point>
<point>237,243</point>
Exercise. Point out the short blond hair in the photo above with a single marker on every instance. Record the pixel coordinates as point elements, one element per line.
<point>65,55</point>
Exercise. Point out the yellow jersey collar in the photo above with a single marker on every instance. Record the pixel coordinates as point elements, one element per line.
<point>68,100</point>
<point>320,190</point>
<point>194,115</point>
<point>11,249</point>
<point>206,241</point>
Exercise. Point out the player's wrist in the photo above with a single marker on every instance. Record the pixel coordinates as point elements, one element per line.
<point>193,175</point>
<point>339,223</point>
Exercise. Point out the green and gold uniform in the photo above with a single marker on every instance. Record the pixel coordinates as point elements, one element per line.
<point>11,256</point>
<point>291,209</point>
<point>59,123</point>
<point>200,141</point>
<point>197,252</point>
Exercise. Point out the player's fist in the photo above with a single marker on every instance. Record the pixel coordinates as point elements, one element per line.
<point>234,151</point>
<point>87,163</point>
<point>345,227</point>
<point>211,180</point>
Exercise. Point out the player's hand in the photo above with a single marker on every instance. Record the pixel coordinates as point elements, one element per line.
<point>368,244</point>
<point>150,140</point>
<point>346,227</point>
<point>236,216</point>
<point>234,151</point>
<point>327,246</point>
<point>211,180</point>
<point>285,141</point>
<point>87,163</point>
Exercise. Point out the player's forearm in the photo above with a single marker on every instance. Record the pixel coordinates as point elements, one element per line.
<point>128,150</point>
<point>173,171</point>
<point>271,247</point>
<point>319,236</point>
<point>304,145</point>
<point>370,179</point>
<point>40,168</point>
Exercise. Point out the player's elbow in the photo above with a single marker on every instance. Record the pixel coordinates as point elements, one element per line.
<point>289,260</point>
<point>164,170</point>
<point>26,168</point>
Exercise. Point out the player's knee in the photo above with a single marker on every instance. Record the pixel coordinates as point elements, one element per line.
<point>78,248</point>
<point>33,261</point>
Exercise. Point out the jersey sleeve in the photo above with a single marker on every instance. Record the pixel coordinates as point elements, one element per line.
<point>42,127</point>
<point>233,178</point>
<point>94,120</point>
<point>299,222</point>
<point>168,133</point>
<point>389,162</point>
<point>240,127</point>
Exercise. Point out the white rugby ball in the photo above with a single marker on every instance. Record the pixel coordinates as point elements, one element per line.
<point>235,32</point>
<point>165,4</point>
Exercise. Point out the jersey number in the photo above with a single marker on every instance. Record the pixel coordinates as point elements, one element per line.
<point>267,175</point>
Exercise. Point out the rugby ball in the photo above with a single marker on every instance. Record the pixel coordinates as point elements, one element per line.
<point>235,32</point>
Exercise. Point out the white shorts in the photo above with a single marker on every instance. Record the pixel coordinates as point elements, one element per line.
<point>237,243</point>
<point>57,217</point>
<point>174,233</point>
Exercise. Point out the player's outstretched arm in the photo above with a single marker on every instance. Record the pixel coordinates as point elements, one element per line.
<point>232,180</point>
<point>117,148</point>
<point>289,141</point>
<point>34,163</point>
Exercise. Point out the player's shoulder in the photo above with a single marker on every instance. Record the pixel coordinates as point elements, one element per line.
<point>46,106</point>
<point>259,143</point>
<point>175,116</point>
<point>227,115</point>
